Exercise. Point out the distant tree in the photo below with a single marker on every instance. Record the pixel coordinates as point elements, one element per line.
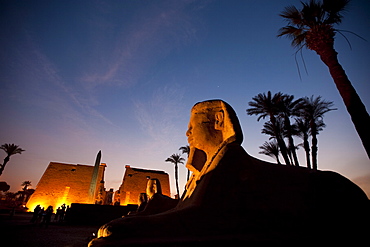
<point>4,186</point>
<point>25,185</point>
<point>289,107</point>
<point>312,27</point>
<point>25,192</point>
<point>313,110</point>
<point>10,150</point>
<point>276,131</point>
<point>10,196</point>
<point>186,150</point>
<point>271,149</point>
<point>268,106</point>
<point>303,131</point>
<point>176,159</point>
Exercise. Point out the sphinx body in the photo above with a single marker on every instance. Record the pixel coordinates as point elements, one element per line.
<point>154,201</point>
<point>233,198</point>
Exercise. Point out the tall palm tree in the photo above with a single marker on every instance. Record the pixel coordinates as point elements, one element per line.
<point>25,185</point>
<point>268,106</point>
<point>274,131</point>
<point>186,150</point>
<point>288,108</point>
<point>271,149</point>
<point>302,127</point>
<point>23,193</point>
<point>312,27</point>
<point>313,109</point>
<point>10,150</point>
<point>176,159</point>
<point>302,130</point>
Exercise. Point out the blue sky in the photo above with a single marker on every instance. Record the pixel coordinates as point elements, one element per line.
<point>121,76</point>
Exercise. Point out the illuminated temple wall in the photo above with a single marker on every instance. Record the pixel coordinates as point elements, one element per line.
<point>135,181</point>
<point>64,183</point>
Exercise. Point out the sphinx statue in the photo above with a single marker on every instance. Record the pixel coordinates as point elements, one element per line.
<point>155,201</point>
<point>233,198</point>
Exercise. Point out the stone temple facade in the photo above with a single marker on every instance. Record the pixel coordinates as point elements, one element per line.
<point>135,181</point>
<point>67,183</point>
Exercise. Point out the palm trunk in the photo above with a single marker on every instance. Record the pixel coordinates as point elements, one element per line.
<point>291,141</point>
<point>177,180</point>
<point>294,153</point>
<point>352,101</point>
<point>280,141</point>
<point>306,147</point>
<point>314,152</point>
<point>314,147</point>
<point>283,149</point>
<point>6,160</point>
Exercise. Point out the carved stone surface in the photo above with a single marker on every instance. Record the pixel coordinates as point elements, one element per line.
<point>233,198</point>
<point>156,202</point>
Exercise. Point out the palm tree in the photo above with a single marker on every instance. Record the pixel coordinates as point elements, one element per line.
<point>313,110</point>
<point>278,131</point>
<point>271,149</point>
<point>25,185</point>
<point>268,106</point>
<point>288,108</point>
<point>302,127</point>
<point>176,159</point>
<point>23,193</point>
<point>302,130</point>
<point>10,149</point>
<point>312,27</point>
<point>186,150</point>
<point>274,131</point>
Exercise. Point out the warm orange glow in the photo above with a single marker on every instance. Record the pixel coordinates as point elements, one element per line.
<point>54,201</point>
<point>63,184</point>
<point>63,199</point>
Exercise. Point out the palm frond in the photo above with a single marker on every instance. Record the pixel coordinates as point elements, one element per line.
<point>11,149</point>
<point>292,15</point>
<point>175,159</point>
<point>334,10</point>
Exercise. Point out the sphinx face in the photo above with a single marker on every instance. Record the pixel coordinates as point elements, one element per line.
<point>151,188</point>
<point>202,133</point>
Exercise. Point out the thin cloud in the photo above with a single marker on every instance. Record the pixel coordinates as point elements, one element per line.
<point>36,82</point>
<point>155,31</point>
<point>158,116</point>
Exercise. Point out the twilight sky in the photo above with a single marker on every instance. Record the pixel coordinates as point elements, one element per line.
<point>121,76</point>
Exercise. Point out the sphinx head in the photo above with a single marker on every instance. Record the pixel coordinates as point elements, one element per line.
<point>211,124</point>
<point>153,187</point>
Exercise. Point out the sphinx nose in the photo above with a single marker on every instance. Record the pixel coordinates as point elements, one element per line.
<point>188,132</point>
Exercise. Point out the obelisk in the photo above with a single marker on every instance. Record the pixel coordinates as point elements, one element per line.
<point>94,179</point>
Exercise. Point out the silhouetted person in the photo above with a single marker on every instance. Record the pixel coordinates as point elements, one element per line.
<point>62,213</point>
<point>67,213</point>
<point>47,216</point>
<point>40,215</point>
<point>35,213</point>
<point>57,214</point>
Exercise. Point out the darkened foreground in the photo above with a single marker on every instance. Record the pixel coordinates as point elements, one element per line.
<point>19,231</point>
<point>234,199</point>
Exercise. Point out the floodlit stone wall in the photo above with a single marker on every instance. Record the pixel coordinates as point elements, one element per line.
<point>64,184</point>
<point>135,181</point>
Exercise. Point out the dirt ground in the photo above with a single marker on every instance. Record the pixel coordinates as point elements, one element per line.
<point>19,231</point>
